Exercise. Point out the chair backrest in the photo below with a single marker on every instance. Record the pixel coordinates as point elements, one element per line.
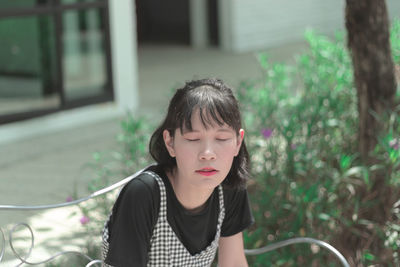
<point>95,262</point>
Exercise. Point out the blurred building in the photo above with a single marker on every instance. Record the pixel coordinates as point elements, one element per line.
<point>58,55</point>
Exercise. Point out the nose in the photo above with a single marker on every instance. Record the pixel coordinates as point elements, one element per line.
<point>207,153</point>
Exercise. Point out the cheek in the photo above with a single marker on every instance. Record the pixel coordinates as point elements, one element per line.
<point>233,146</point>
<point>185,154</point>
<point>229,151</point>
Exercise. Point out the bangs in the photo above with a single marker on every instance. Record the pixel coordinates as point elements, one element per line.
<point>212,106</point>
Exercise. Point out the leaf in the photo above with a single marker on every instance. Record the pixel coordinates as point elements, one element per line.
<point>96,156</point>
<point>263,60</point>
<point>368,256</point>
<point>354,171</point>
<point>376,167</point>
<point>332,122</point>
<point>345,162</point>
<point>365,176</point>
<point>324,216</point>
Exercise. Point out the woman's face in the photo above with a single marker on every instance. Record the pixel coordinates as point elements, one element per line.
<point>203,155</point>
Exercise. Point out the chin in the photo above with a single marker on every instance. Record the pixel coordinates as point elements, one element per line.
<point>207,183</point>
<point>210,183</point>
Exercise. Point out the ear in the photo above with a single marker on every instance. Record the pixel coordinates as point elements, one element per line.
<point>239,141</point>
<point>169,143</point>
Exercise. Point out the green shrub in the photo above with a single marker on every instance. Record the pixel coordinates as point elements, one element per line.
<point>302,137</point>
<point>302,119</point>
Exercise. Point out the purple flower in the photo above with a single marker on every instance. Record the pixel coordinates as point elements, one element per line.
<point>293,146</point>
<point>84,220</point>
<point>395,143</point>
<point>267,133</point>
<point>69,199</point>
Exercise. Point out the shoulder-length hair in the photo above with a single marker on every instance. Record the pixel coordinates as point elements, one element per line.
<point>216,104</point>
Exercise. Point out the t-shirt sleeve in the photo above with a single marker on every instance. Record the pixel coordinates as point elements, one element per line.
<point>131,225</point>
<point>238,214</point>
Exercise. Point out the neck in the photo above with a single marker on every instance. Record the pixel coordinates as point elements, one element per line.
<point>191,198</point>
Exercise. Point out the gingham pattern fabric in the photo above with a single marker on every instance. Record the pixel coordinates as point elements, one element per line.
<point>104,247</point>
<point>167,250</point>
<point>105,244</point>
<point>165,247</point>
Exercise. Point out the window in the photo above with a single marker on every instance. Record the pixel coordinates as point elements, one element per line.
<point>54,55</point>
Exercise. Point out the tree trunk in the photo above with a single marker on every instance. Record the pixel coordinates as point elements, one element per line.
<point>368,40</point>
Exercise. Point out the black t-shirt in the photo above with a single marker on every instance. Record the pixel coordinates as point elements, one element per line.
<point>135,214</point>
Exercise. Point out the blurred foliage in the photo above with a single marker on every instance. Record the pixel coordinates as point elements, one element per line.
<point>394,40</point>
<point>130,155</point>
<point>302,125</point>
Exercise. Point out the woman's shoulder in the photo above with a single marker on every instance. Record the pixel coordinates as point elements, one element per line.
<point>144,184</point>
<point>143,187</point>
<point>233,193</point>
<point>238,214</point>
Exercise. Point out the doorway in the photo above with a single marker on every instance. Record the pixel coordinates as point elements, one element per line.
<point>160,21</point>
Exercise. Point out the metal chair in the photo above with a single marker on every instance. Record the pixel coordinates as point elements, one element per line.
<point>92,262</point>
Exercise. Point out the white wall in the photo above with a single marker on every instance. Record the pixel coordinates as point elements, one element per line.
<point>124,53</point>
<point>393,8</point>
<point>198,23</point>
<point>248,25</point>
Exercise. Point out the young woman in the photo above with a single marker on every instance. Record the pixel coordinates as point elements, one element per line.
<point>194,200</point>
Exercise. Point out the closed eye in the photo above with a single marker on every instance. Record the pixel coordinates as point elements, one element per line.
<point>192,140</point>
<point>222,139</point>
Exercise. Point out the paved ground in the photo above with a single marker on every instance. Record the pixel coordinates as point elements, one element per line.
<point>45,168</point>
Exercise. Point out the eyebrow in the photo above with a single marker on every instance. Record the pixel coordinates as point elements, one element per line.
<point>227,130</point>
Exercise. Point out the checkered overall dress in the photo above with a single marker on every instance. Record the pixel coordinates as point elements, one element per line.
<point>165,247</point>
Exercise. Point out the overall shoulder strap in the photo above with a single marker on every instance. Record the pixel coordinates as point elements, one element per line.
<point>163,195</point>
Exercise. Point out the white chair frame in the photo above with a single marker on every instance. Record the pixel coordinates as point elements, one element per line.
<point>96,262</point>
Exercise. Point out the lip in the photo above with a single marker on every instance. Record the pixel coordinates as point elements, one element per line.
<point>208,171</point>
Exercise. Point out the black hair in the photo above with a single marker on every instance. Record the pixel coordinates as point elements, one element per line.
<point>216,104</point>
